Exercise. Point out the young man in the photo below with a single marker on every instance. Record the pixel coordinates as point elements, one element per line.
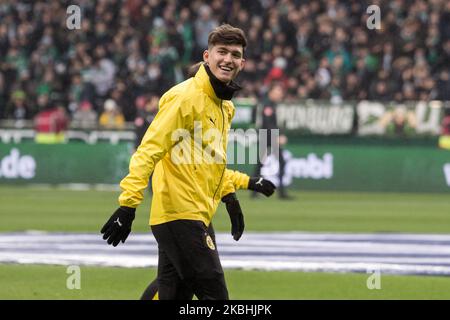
<point>185,149</point>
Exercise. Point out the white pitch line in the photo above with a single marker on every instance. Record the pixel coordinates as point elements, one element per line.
<point>415,254</point>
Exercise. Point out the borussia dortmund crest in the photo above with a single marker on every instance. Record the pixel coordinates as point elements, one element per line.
<point>210,243</point>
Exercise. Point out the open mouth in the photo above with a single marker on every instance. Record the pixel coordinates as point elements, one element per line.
<point>226,69</point>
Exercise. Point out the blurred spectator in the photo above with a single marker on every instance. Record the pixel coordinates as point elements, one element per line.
<point>85,117</point>
<point>444,139</point>
<point>146,112</point>
<point>50,124</point>
<point>265,117</point>
<point>18,108</point>
<point>399,122</point>
<point>111,117</point>
<point>446,122</point>
<point>277,73</point>
<point>380,91</point>
<point>443,85</point>
<point>2,96</point>
<point>203,26</point>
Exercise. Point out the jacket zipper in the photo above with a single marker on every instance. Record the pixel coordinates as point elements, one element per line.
<point>223,171</point>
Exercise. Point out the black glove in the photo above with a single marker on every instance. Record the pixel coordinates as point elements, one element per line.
<point>261,185</point>
<point>236,216</point>
<point>118,226</point>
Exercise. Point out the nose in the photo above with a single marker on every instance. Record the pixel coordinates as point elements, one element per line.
<point>227,57</point>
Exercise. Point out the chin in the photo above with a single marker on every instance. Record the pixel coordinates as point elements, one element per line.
<point>226,80</point>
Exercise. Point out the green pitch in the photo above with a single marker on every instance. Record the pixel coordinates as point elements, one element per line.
<point>26,208</point>
<point>81,211</point>
<point>49,282</point>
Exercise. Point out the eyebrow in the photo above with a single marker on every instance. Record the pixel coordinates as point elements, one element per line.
<point>232,51</point>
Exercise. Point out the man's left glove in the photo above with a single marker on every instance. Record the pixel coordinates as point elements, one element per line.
<point>118,226</point>
<point>235,213</point>
<point>261,185</point>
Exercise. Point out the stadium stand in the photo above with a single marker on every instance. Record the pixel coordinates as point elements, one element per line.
<point>135,48</point>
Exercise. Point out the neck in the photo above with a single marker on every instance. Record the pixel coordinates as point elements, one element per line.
<point>223,90</point>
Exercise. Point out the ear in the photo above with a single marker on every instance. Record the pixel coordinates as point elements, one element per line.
<point>242,65</point>
<point>205,56</point>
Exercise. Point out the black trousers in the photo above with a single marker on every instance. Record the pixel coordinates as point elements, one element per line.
<point>188,262</point>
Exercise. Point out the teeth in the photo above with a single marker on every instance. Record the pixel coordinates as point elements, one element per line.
<point>225,68</point>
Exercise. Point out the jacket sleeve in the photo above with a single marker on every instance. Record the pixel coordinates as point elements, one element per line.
<point>234,180</point>
<point>157,141</point>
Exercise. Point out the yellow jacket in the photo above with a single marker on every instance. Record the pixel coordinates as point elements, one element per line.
<point>185,184</point>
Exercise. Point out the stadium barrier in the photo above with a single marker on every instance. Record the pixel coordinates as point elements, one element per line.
<point>396,168</point>
<point>356,118</point>
<point>361,168</point>
<point>28,162</point>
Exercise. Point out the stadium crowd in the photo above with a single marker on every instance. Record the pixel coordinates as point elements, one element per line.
<point>128,52</point>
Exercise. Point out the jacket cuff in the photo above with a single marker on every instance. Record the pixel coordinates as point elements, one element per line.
<point>229,197</point>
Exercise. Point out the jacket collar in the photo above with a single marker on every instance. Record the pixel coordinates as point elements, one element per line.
<point>212,86</point>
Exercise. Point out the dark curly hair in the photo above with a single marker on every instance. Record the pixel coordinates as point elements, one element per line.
<point>227,34</point>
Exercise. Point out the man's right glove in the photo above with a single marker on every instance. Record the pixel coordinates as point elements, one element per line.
<point>261,185</point>
<point>235,213</point>
<point>118,227</point>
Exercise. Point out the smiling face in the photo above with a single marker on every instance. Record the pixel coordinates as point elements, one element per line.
<point>225,61</point>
